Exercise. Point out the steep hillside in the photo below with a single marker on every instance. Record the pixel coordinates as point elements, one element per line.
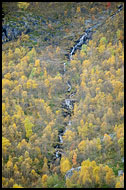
<point>63,95</point>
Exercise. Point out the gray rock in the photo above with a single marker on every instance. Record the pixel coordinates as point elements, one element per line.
<point>16,32</point>
<point>71,171</point>
<point>88,21</point>
<point>120,172</point>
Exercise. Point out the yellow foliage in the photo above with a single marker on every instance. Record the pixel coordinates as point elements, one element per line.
<point>25,38</point>
<point>86,63</point>
<point>34,173</point>
<point>37,63</point>
<point>83,131</point>
<point>6,83</point>
<point>81,122</point>
<point>75,108</point>
<point>28,126</point>
<point>5,144</point>
<point>34,85</point>
<point>83,84</point>
<point>45,166</point>
<point>3,108</point>
<point>86,177</point>
<point>74,160</point>
<point>44,178</point>
<point>98,144</point>
<point>25,59</point>
<point>91,175</point>
<point>121,111</point>
<point>57,112</point>
<point>118,86</point>
<point>26,154</point>
<point>106,168</point>
<point>17,186</point>
<point>18,52</point>
<point>23,5</point>
<point>15,168</point>
<point>110,177</point>
<point>11,181</point>
<point>47,83</point>
<point>82,145</point>
<point>38,150</point>
<point>58,78</point>
<point>45,73</point>
<point>64,165</point>
<point>69,135</point>
<point>57,49</point>
<point>96,172</point>
<point>24,94</point>
<point>82,54</point>
<point>74,63</point>
<point>48,111</point>
<point>9,164</point>
<point>107,140</point>
<point>69,184</point>
<point>101,48</point>
<point>78,9</point>
<point>7,76</point>
<point>29,84</point>
<point>120,183</point>
<point>10,54</point>
<point>98,79</point>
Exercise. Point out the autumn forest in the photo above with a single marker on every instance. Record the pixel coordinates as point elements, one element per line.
<point>62,95</point>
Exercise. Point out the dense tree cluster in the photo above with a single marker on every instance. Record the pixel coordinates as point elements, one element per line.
<point>97,71</point>
<point>30,115</point>
<point>33,87</point>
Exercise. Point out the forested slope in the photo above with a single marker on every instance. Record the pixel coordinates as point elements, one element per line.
<point>35,84</point>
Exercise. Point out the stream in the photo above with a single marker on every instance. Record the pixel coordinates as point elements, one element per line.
<point>68,104</point>
<point>11,32</point>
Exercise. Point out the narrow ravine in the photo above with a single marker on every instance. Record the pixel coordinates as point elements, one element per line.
<point>68,103</point>
<point>63,95</point>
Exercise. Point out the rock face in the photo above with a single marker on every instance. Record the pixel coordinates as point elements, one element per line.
<point>71,171</point>
<point>13,29</point>
<point>10,32</point>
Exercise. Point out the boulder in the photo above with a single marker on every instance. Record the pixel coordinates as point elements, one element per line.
<point>71,171</point>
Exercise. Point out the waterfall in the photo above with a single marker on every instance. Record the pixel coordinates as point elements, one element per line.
<point>61,140</point>
<point>69,123</point>
<point>69,85</point>
<point>68,104</point>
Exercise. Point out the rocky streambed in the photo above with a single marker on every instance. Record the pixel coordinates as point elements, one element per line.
<point>28,24</point>
<point>68,104</point>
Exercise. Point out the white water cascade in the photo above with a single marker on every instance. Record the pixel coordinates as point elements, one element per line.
<point>83,40</point>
